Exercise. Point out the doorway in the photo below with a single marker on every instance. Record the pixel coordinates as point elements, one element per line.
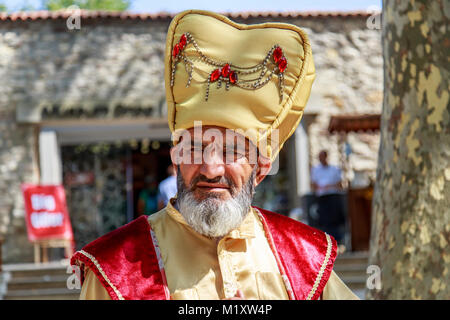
<point>103,182</point>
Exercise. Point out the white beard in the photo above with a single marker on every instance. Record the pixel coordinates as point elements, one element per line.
<point>213,217</point>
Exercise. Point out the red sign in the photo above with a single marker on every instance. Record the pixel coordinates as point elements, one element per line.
<point>46,212</point>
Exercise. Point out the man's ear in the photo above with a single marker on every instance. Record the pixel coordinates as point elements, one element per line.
<point>264,166</point>
<point>176,154</point>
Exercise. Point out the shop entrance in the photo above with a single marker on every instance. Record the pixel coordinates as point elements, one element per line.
<point>103,182</point>
<point>150,165</point>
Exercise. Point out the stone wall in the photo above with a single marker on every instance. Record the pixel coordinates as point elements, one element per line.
<point>349,80</point>
<point>107,68</point>
<point>18,164</point>
<point>113,68</point>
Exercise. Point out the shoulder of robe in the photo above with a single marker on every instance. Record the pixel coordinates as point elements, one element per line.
<point>307,254</point>
<point>124,261</point>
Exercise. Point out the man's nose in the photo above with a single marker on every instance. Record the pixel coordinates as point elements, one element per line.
<point>213,164</point>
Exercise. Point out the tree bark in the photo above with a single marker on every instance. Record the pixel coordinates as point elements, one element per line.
<point>411,208</point>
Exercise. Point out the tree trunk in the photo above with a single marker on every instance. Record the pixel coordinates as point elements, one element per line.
<point>411,208</point>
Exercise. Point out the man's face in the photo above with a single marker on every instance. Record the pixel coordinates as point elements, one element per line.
<point>217,173</point>
<point>224,167</point>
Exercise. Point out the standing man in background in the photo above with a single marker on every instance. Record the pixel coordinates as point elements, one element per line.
<point>326,183</point>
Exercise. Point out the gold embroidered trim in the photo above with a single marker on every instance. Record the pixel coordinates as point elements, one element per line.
<point>97,265</point>
<point>160,262</point>
<point>322,268</point>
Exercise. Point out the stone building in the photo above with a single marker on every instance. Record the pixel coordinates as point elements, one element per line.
<point>85,107</point>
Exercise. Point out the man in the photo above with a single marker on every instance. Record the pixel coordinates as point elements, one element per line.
<point>228,122</point>
<point>327,185</point>
<point>326,179</point>
<point>167,189</point>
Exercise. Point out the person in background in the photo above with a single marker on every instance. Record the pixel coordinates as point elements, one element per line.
<point>167,188</point>
<point>326,183</point>
<point>148,197</point>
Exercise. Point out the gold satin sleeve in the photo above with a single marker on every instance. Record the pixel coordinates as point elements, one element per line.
<point>92,289</point>
<point>335,289</point>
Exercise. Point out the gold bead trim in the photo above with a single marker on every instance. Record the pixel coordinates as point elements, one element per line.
<point>267,69</point>
<point>322,268</point>
<point>99,268</point>
<point>160,263</point>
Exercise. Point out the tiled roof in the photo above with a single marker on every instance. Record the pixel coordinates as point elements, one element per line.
<point>354,123</point>
<point>87,14</point>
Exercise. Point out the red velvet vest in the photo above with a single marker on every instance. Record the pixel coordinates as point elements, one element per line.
<point>128,264</point>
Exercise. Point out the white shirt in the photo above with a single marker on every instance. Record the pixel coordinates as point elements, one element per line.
<point>325,175</point>
<point>167,189</point>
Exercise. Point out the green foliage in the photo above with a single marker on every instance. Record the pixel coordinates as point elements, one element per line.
<point>2,7</point>
<point>107,5</point>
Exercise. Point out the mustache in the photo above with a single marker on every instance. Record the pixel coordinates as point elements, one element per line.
<point>219,179</point>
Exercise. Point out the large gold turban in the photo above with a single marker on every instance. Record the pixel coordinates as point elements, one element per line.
<point>254,78</point>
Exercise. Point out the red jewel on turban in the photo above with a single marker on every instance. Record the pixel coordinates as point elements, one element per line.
<point>282,64</point>
<point>176,50</point>
<point>182,41</point>
<point>233,77</point>
<point>277,54</point>
<point>226,70</point>
<point>215,75</point>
